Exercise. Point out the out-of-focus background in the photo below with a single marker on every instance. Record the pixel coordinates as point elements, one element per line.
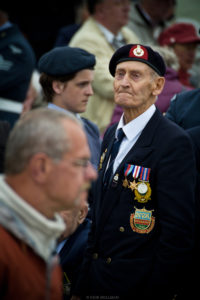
<point>40,23</point>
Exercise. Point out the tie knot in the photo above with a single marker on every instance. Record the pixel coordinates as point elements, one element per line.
<point>117,43</point>
<point>120,134</point>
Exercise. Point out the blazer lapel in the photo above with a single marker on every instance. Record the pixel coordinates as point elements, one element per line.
<point>100,188</point>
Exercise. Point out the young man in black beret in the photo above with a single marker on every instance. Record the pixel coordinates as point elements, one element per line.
<point>142,230</point>
<point>66,78</point>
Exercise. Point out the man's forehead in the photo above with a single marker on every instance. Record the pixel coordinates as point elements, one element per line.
<point>132,65</point>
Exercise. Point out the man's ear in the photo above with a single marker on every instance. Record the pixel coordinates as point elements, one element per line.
<point>158,85</point>
<point>39,167</point>
<point>58,86</point>
<point>82,214</point>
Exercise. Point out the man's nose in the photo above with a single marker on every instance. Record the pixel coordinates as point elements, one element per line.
<point>90,90</point>
<point>90,172</point>
<point>125,80</point>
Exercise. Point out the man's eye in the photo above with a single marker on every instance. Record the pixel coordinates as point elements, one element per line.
<point>81,163</point>
<point>119,74</point>
<point>136,75</point>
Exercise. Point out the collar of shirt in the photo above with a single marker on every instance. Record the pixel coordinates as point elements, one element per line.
<point>53,106</point>
<point>61,245</point>
<point>132,132</point>
<point>138,124</point>
<point>5,26</point>
<point>109,35</point>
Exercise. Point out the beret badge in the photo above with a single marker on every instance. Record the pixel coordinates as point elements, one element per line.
<point>138,51</point>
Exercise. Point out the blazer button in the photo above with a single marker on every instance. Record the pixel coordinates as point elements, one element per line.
<point>108,260</point>
<point>95,255</point>
<point>121,229</point>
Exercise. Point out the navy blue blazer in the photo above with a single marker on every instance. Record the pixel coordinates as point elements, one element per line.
<point>18,63</point>
<point>140,248</point>
<point>72,253</point>
<point>4,133</point>
<point>184,109</point>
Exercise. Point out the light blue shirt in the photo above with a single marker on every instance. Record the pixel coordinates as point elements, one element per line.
<point>6,25</point>
<point>60,245</point>
<point>53,106</point>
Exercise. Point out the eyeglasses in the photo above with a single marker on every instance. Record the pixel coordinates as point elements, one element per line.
<point>78,163</point>
<point>84,163</point>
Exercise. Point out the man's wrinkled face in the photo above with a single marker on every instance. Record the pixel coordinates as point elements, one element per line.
<point>133,85</point>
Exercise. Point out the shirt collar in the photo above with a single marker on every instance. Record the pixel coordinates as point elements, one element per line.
<point>109,35</point>
<point>53,106</point>
<point>138,123</point>
<point>6,25</point>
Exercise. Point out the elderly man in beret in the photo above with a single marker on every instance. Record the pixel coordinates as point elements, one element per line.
<point>142,229</point>
<point>66,78</point>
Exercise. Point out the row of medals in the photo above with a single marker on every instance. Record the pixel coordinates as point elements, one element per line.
<point>142,189</point>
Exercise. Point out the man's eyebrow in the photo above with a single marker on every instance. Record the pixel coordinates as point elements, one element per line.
<point>130,70</point>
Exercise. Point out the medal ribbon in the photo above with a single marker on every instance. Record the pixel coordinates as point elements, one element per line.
<point>128,169</point>
<point>144,175</point>
<point>136,171</point>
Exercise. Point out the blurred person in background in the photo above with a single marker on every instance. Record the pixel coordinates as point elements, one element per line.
<point>17,62</point>
<point>101,34</point>
<point>183,39</point>
<point>148,18</point>
<point>4,132</point>
<point>72,244</point>
<point>65,33</point>
<point>172,85</point>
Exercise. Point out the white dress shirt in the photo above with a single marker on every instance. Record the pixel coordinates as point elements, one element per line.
<point>132,132</point>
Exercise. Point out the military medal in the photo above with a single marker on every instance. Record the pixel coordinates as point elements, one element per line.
<point>143,190</point>
<point>135,173</point>
<point>127,171</point>
<point>102,159</point>
<point>142,220</point>
<point>66,285</point>
<point>115,180</point>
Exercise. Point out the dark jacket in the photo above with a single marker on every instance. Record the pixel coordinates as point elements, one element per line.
<point>72,254</point>
<point>4,132</point>
<point>141,248</point>
<point>172,86</point>
<point>184,109</point>
<point>16,64</point>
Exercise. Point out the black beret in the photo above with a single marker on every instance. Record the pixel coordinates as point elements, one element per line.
<point>65,60</point>
<point>137,52</point>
